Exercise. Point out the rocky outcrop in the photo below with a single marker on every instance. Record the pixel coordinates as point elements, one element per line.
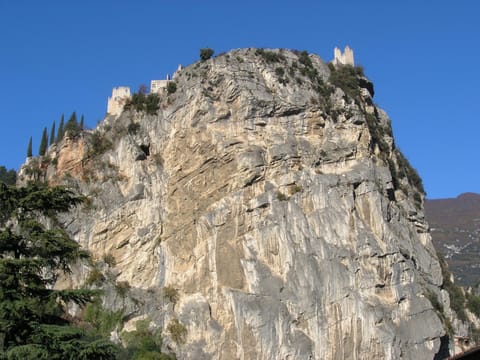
<point>269,194</point>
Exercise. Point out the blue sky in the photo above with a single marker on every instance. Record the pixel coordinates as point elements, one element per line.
<point>62,56</point>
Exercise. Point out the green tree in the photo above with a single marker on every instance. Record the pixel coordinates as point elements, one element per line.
<point>171,87</point>
<point>33,324</point>
<point>29,148</point>
<point>8,177</point>
<point>52,134</point>
<point>82,122</point>
<point>206,53</point>
<point>60,132</point>
<point>72,128</point>
<point>43,143</point>
<point>143,344</point>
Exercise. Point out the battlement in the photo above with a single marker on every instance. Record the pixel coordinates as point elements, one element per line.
<point>345,58</point>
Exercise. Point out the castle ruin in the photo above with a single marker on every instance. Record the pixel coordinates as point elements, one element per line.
<point>119,96</point>
<point>345,58</point>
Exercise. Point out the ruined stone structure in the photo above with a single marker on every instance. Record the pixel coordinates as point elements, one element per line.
<point>122,93</point>
<point>159,86</point>
<point>345,58</point>
<point>117,100</point>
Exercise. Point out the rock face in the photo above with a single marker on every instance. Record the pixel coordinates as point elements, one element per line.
<point>268,192</point>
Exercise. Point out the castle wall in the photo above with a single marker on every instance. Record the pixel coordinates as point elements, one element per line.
<point>345,58</point>
<point>158,86</point>
<point>117,100</point>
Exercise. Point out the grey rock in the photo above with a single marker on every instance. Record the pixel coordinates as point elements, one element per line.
<point>334,268</point>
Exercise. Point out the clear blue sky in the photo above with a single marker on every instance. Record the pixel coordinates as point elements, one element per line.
<point>61,56</point>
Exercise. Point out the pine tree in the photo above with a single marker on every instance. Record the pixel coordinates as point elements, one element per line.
<point>60,132</point>
<point>29,148</point>
<point>33,324</point>
<point>43,143</point>
<point>82,123</point>
<point>52,134</point>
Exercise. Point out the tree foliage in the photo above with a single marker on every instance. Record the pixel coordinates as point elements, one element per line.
<point>52,134</point>
<point>72,127</point>
<point>144,343</point>
<point>143,103</point>
<point>29,148</point>
<point>206,53</point>
<point>8,177</point>
<point>60,132</point>
<point>43,143</point>
<point>33,323</point>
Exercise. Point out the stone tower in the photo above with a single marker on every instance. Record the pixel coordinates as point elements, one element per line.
<point>345,58</point>
<point>117,100</point>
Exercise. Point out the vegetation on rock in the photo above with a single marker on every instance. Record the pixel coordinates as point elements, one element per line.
<point>29,148</point>
<point>43,143</point>
<point>206,53</point>
<point>141,102</point>
<point>8,177</point>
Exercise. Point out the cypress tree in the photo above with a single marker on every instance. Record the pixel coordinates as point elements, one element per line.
<point>29,148</point>
<point>52,134</point>
<point>43,143</point>
<point>82,123</point>
<point>60,132</point>
<point>71,127</point>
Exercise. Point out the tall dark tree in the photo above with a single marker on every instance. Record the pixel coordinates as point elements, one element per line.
<point>29,148</point>
<point>72,128</point>
<point>60,132</point>
<point>42,149</point>
<point>33,321</point>
<point>52,134</point>
<point>82,123</point>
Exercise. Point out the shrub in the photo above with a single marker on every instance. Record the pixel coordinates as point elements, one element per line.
<point>171,87</point>
<point>346,78</point>
<point>296,189</point>
<point>206,53</point>
<point>170,293</point>
<point>109,259</point>
<point>279,71</point>
<point>177,331</point>
<point>103,321</point>
<point>143,103</point>
<point>304,59</point>
<point>99,144</point>
<point>143,343</point>
<point>133,128</point>
<point>122,288</point>
<point>281,196</point>
<point>95,277</point>
<point>270,56</point>
<point>152,104</point>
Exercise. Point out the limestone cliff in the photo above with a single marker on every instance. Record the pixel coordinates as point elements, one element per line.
<point>268,192</point>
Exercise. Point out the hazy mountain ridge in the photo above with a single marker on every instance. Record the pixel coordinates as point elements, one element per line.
<point>455,228</point>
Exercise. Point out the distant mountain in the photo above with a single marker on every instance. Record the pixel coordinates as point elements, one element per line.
<point>455,225</point>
